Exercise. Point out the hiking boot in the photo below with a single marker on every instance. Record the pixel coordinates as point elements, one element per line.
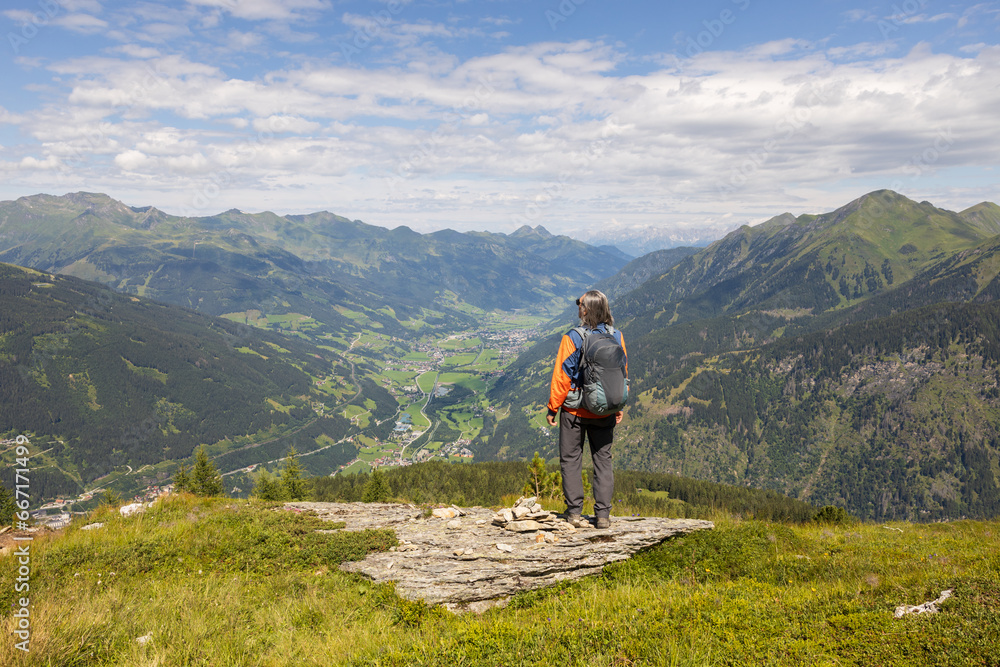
<point>603,522</point>
<point>576,520</point>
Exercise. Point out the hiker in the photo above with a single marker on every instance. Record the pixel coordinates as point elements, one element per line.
<point>584,415</point>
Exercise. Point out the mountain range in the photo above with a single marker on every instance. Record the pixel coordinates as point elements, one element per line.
<point>843,358</point>
<point>846,358</point>
<point>319,264</point>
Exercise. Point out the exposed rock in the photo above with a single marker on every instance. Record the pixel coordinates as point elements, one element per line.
<point>526,516</point>
<point>448,512</point>
<point>92,526</point>
<point>134,508</point>
<point>494,563</point>
<point>526,526</point>
<point>925,608</point>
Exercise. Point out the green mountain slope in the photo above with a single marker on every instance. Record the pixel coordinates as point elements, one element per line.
<point>706,406</point>
<point>110,383</point>
<point>318,265</point>
<point>896,417</point>
<point>809,264</point>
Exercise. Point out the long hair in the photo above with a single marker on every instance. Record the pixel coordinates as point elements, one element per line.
<point>598,310</point>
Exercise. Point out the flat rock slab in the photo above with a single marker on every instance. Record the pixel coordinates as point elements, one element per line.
<point>461,565</point>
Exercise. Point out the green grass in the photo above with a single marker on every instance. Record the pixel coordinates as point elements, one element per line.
<point>463,359</point>
<point>355,468</point>
<point>426,381</point>
<point>400,377</point>
<point>458,343</point>
<point>419,421</point>
<point>228,582</point>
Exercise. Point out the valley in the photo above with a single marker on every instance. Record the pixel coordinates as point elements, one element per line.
<point>845,358</point>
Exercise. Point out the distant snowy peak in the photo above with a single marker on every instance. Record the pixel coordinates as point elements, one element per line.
<point>639,241</point>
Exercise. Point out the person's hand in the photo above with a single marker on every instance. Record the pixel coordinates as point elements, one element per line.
<point>551,419</point>
<point>618,418</point>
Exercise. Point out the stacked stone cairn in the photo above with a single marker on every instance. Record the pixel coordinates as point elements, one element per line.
<point>528,516</point>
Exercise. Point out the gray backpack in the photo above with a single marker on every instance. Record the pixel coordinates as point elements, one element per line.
<point>603,372</point>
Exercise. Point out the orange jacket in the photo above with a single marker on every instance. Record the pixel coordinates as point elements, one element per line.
<point>566,373</point>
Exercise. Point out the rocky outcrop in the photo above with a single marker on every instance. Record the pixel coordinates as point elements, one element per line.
<point>469,562</point>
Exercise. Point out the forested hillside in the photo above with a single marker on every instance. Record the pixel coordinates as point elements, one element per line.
<point>116,382</point>
<point>750,365</point>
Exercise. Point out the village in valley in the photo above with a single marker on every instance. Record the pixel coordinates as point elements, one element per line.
<point>433,372</point>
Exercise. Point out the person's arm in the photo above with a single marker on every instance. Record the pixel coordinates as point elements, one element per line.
<point>560,384</point>
<point>619,414</point>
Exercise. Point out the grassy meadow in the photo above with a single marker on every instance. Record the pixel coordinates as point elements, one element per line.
<point>226,582</point>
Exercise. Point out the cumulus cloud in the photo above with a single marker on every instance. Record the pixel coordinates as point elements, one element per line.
<point>131,160</point>
<point>548,132</point>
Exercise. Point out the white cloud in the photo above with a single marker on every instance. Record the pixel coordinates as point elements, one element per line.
<point>136,51</point>
<point>279,124</point>
<point>131,160</point>
<point>9,118</point>
<point>258,10</point>
<point>20,15</point>
<point>924,18</point>
<point>47,164</point>
<point>554,126</point>
<point>243,41</point>
<point>860,15</point>
<point>87,6</point>
<point>82,23</point>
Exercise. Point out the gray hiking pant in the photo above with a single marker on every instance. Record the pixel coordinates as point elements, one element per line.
<point>600,433</point>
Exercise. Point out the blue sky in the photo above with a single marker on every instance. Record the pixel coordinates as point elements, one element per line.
<point>586,117</point>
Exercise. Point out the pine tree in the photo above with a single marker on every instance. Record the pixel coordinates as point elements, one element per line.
<point>377,489</point>
<point>205,479</point>
<point>542,483</point>
<point>182,480</point>
<point>7,507</point>
<point>267,487</point>
<point>291,478</point>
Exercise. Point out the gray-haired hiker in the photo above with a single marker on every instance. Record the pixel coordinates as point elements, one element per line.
<point>590,386</point>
